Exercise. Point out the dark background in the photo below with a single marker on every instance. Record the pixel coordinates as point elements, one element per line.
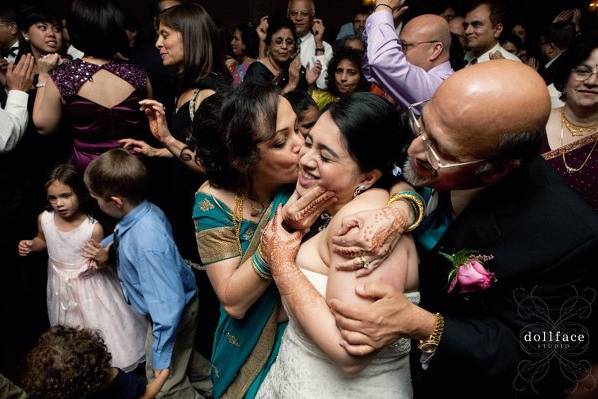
<point>534,13</point>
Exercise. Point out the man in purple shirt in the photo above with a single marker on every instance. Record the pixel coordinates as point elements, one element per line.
<point>409,68</point>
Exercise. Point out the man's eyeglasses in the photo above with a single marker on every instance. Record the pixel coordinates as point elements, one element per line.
<point>302,14</point>
<point>584,72</point>
<point>406,45</point>
<point>431,154</point>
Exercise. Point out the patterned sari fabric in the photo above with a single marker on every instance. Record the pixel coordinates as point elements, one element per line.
<point>577,162</point>
<point>243,349</point>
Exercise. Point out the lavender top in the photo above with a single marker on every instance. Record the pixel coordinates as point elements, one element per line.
<point>384,63</point>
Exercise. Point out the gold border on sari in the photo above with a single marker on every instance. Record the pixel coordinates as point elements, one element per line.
<point>570,147</point>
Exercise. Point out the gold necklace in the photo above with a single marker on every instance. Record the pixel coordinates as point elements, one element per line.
<point>569,168</point>
<point>574,129</point>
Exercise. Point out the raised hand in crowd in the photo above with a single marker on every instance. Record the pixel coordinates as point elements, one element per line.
<point>300,212</point>
<point>294,74</point>
<point>261,31</point>
<point>48,62</point>
<point>262,28</point>
<point>20,76</point>
<point>574,15</point>
<point>533,63</point>
<point>313,72</point>
<point>318,30</point>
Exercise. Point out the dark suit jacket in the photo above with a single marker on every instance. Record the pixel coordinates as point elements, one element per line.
<point>560,68</point>
<point>544,238</point>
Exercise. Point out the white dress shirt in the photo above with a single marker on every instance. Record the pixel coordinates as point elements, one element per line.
<point>15,46</point>
<point>486,56</point>
<point>13,119</point>
<point>307,44</point>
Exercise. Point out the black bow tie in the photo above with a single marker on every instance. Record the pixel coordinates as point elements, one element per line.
<point>11,51</point>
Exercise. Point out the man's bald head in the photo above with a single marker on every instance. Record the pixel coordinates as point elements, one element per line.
<point>490,109</point>
<point>426,41</point>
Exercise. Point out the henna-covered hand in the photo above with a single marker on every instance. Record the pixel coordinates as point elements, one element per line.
<point>367,238</point>
<point>299,213</point>
<point>279,247</point>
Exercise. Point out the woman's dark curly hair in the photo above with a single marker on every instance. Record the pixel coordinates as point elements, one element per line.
<point>67,363</point>
<point>353,56</point>
<point>228,130</point>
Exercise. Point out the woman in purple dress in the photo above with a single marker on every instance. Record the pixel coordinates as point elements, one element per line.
<point>98,94</point>
<point>572,130</point>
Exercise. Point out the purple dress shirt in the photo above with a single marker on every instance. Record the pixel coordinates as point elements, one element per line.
<point>385,64</point>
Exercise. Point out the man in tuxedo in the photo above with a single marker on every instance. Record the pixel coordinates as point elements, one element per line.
<point>554,42</point>
<point>493,332</point>
<point>9,35</point>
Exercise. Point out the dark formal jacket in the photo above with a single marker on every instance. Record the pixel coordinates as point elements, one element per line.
<point>558,70</point>
<point>544,240</point>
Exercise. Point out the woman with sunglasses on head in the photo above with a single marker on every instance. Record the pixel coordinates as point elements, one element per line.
<point>572,130</point>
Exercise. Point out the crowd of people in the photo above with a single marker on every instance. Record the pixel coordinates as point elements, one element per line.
<point>408,212</point>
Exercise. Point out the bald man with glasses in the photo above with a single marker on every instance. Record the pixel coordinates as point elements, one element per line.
<point>506,250</point>
<point>410,67</point>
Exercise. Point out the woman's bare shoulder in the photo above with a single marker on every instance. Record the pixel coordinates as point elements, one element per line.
<point>374,198</point>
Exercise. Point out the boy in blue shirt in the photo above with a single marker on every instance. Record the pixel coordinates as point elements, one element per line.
<point>156,281</point>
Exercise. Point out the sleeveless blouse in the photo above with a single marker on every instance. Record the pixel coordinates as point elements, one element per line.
<point>97,129</point>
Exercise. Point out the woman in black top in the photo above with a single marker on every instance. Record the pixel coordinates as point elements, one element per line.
<point>282,64</point>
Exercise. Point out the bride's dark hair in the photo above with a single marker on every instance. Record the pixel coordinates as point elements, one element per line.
<point>370,126</point>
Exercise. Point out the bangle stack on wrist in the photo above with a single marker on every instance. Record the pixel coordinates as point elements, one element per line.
<point>417,203</point>
<point>430,344</point>
<point>259,265</point>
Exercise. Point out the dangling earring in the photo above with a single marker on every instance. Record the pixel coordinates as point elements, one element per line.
<point>358,190</point>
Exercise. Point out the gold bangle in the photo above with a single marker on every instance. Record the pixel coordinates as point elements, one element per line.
<point>416,202</point>
<point>430,344</point>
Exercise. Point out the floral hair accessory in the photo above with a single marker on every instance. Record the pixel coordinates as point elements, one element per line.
<point>468,272</point>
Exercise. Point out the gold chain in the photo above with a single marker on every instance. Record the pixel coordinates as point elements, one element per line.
<point>574,129</point>
<point>569,168</point>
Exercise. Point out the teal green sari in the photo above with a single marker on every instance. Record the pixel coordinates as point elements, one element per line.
<point>243,349</point>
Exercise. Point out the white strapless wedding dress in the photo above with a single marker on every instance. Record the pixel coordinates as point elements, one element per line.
<point>302,370</point>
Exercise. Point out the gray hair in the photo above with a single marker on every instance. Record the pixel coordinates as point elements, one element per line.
<point>313,7</point>
<point>514,146</point>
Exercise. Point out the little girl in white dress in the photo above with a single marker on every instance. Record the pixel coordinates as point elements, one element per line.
<point>78,293</point>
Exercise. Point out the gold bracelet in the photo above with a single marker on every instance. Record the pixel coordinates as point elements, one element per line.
<point>430,344</point>
<point>416,202</point>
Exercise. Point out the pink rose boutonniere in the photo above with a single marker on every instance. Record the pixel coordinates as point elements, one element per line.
<point>468,272</point>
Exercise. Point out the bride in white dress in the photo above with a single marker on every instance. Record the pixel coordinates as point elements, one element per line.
<point>350,149</point>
